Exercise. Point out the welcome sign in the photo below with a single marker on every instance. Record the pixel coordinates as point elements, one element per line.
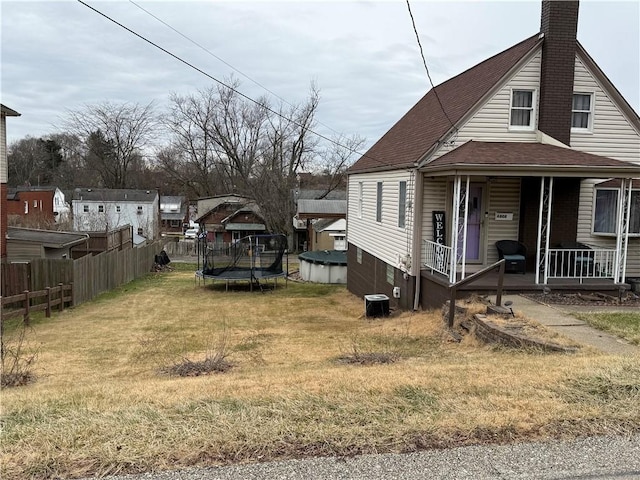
<point>439,229</point>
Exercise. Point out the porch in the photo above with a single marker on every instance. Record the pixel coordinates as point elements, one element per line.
<point>525,283</point>
<point>483,194</point>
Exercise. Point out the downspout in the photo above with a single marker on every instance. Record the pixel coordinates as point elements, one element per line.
<point>417,234</point>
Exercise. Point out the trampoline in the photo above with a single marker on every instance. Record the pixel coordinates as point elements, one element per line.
<point>254,259</point>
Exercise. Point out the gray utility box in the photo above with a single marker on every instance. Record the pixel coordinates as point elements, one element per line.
<point>376,305</point>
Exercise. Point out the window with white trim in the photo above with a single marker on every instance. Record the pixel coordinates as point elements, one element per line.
<point>402,203</point>
<point>100,208</point>
<point>523,112</point>
<point>360,199</point>
<point>379,202</point>
<point>582,111</point>
<point>85,208</point>
<point>117,208</point>
<point>606,211</point>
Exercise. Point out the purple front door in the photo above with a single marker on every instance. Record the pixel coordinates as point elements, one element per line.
<point>474,223</point>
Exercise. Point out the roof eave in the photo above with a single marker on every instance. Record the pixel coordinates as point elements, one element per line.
<point>580,171</point>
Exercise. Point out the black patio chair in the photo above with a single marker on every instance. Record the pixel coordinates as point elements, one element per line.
<point>579,263</point>
<point>514,254</point>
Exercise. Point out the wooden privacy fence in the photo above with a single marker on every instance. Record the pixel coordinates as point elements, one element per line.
<point>90,275</point>
<point>41,300</point>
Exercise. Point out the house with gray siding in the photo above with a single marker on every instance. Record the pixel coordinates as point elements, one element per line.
<point>533,145</point>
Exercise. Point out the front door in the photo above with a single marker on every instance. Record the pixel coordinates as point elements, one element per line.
<point>474,223</point>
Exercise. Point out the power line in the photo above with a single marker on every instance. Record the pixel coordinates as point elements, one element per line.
<point>424,62</point>
<point>206,50</point>
<point>199,70</point>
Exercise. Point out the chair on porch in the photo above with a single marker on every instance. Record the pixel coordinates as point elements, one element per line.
<point>514,254</point>
<point>579,262</point>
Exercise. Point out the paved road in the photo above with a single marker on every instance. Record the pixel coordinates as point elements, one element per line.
<point>594,458</point>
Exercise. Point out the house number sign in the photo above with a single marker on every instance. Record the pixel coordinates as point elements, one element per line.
<point>504,216</point>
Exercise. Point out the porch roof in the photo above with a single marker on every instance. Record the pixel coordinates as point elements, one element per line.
<point>527,159</point>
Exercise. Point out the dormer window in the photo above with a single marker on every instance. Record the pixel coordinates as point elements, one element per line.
<point>522,113</point>
<point>582,111</point>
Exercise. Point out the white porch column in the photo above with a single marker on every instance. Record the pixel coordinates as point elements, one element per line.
<point>459,226</point>
<point>544,229</point>
<point>454,229</point>
<point>622,229</point>
<point>465,217</point>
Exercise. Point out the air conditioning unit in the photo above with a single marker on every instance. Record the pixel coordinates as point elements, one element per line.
<point>376,305</point>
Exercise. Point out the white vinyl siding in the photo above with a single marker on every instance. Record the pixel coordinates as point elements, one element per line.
<point>434,198</point>
<point>384,240</point>
<point>490,123</point>
<point>504,197</point>
<point>612,135</point>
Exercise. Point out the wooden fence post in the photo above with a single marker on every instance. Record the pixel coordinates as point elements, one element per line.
<point>47,311</point>
<point>61,304</point>
<point>27,302</point>
<point>71,294</point>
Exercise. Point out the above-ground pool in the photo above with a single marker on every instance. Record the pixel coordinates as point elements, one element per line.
<point>324,266</point>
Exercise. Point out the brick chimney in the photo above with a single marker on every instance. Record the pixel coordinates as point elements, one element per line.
<point>559,23</point>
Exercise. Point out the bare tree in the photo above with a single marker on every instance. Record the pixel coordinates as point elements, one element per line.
<point>115,135</point>
<point>335,159</point>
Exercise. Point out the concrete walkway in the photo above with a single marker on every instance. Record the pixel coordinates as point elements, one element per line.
<point>559,319</point>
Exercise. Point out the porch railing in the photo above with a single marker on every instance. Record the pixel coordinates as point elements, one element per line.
<point>580,263</point>
<point>437,257</point>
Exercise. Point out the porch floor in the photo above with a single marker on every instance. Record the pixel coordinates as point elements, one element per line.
<point>516,282</point>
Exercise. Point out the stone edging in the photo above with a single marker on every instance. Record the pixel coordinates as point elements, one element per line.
<point>494,334</point>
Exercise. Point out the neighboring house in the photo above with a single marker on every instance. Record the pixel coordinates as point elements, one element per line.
<point>174,214</point>
<point>307,210</point>
<point>4,171</point>
<point>101,209</point>
<point>329,234</point>
<point>315,216</point>
<point>230,218</point>
<point>25,244</point>
<point>536,146</point>
<point>38,203</point>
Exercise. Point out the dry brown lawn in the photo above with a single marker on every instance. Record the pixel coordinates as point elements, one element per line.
<point>101,404</point>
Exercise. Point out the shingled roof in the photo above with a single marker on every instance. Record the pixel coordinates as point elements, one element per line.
<point>519,156</point>
<point>421,127</point>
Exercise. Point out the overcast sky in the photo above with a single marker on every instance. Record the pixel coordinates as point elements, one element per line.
<point>363,56</point>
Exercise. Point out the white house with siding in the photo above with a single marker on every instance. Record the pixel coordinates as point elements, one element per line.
<point>101,209</point>
<point>533,145</point>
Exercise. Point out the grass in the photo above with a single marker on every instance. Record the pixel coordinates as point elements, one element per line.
<point>102,403</point>
<point>622,324</point>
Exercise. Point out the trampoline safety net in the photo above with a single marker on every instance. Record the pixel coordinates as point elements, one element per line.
<point>251,258</point>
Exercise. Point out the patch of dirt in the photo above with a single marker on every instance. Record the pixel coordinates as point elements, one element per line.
<point>627,299</point>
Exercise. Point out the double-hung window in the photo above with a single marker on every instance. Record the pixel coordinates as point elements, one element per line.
<point>379,202</point>
<point>582,111</point>
<point>522,114</point>
<point>402,204</point>
<point>606,211</point>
